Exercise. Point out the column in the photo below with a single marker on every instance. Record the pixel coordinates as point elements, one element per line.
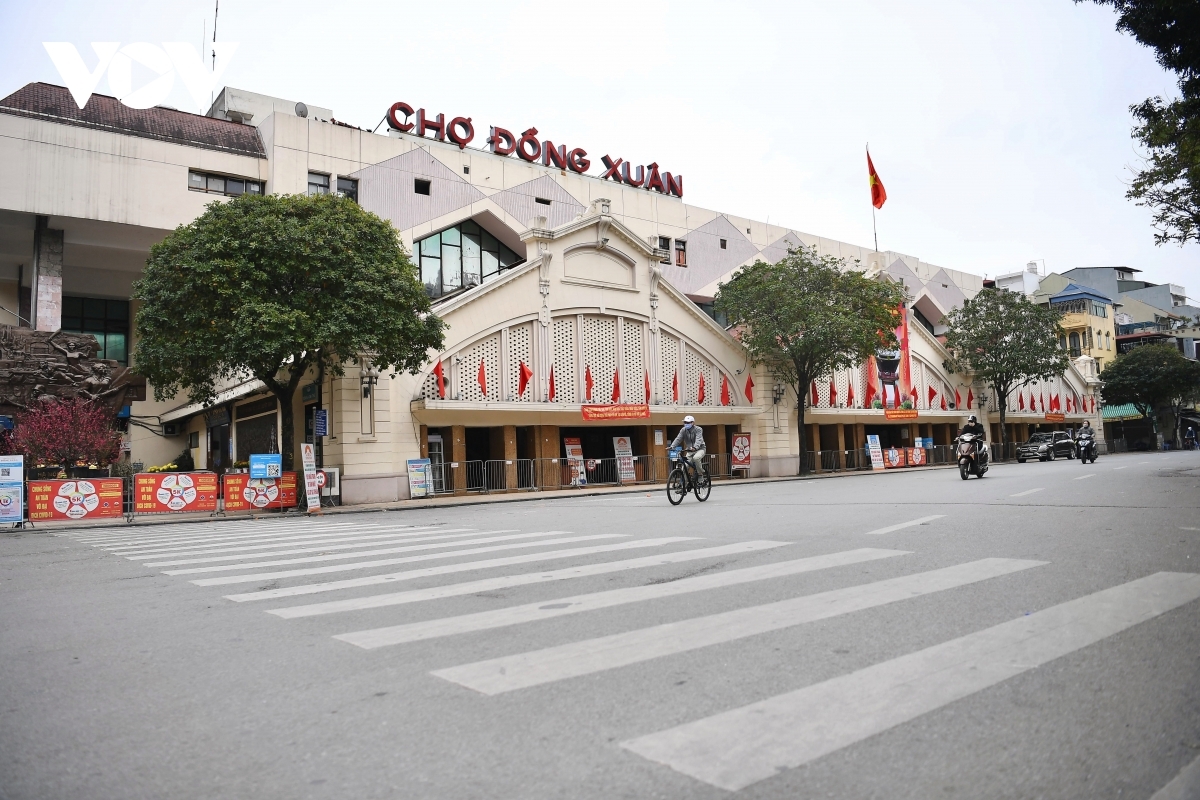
<point>841,459</point>
<point>814,444</point>
<point>458,458</point>
<point>546,448</point>
<point>510,457</point>
<point>46,286</point>
<point>718,446</point>
<point>659,451</point>
<point>423,439</point>
<point>860,441</point>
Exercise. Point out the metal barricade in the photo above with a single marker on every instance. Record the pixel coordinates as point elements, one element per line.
<point>441,478</point>
<point>942,454</point>
<point>829,460</point>
<point>601,471</point>
<point>474,476</point>
<point>496,475</point>
<point>810,460</point>
<point>719,465</point>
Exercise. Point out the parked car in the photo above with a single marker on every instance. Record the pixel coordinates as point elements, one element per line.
<point>1046,447</point>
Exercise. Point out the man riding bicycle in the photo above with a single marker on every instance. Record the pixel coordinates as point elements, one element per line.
<point>691,438</point>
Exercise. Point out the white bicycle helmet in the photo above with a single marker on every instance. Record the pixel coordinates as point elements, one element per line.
<point>688,418</point>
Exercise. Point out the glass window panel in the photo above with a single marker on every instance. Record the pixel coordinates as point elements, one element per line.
<point>115,347</point>
<point>235,187</point>
<point>432,246</point>
<point>451,266</point>
<point>472,263</point>
<point>93,308</point>
<point>490,242</point>
<point>451,236</point>
<point>431,275</point>
<point>196,180</point>
<point>72,306</point>
<point>118,309</point>
<point>491,264</point>
<point>507,257</point>
<point>469,227</point>
<point>216,183</point>
<point>253,187</point>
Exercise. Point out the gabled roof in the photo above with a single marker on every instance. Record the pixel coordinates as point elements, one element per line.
<point>52,103</point>
<point>1073,291</point>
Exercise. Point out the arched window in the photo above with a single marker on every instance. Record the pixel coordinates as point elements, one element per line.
<point>1107,341</point>
<point>1074,339</point>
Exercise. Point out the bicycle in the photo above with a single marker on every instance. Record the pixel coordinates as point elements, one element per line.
<point>681,480</point>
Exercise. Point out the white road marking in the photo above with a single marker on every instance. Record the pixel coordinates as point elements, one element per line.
<point>523,670</point>
<point>1027,491</point>
<point>1084,477</point>
<point>387,562</point>
<point>1189,529</point>
<point>524,579</point>
<point>485,537</point>
<point>1185,786</point>
<point>287,541</point>
<point>447,569</point>
<point>901,525</point>
<point>212,533</point>
<point>177,545</point>
<point>533,612</point>
<point>1116,468</point>
<point>737,748</point>
<point>309,547</point>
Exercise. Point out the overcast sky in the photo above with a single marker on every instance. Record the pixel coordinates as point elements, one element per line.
<point>1001,130</point>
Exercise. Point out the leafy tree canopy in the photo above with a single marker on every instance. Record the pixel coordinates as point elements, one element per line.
<point>1006,342</point>
<point>809,315</point>
<point>1152,377</point>
<point>1168,129</point>
<point>272,285</point>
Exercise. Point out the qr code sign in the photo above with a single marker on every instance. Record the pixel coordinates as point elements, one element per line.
<point>274,471</point>
<point>5,472</point>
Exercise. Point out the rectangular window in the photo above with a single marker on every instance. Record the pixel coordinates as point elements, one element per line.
<point>216,184</point>
<point>221,184</point>
<point>541,200</point>
<point>723,244</point>
<point>194,439</point>
<point>107,320</point>
<point>234,187</point>
<point>347,187</point>
<point>197,181</point>
<point>421,187</point>
<point>680,253</point>
<point>318,183</point>
<point>466,170</point>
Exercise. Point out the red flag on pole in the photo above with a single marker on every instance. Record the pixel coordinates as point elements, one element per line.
<point>724,390</point>
<point>550,396</point>
<point>878,193</point>
<point>914,394</point>
<point>957,399</point>
<point>1021,400</point>
<point>616,394</point>
<point>523,378</point>
<point>647,387</point>
<point>749,389</point>
<point>832,393</point>
<point>482,377</point>
<point>870,394</point>
<point>700,393</point>
<point>944,402</point>
<point>587,381</point>
<point>970,399</point>
<point>850,395</point>
<point>815,399</point>
<point>675,387</point>
<point>441,380</point>
<point>932,394</point>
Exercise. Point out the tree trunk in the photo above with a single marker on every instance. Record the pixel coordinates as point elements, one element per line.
<point>801,401</point>
<point>287,437</point>
<point>1002,401</point>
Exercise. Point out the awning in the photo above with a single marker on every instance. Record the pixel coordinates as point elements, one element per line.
<point>228,396</point>
<point>1120,413</point>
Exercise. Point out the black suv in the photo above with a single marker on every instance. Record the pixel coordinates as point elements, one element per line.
<point>1046,447</point>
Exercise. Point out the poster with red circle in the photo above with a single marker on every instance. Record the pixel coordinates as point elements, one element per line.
<point>165,492</point>
<point>916,457</point>
<point>82,498</point>
<point>243,493</point>
<point>893,457</point>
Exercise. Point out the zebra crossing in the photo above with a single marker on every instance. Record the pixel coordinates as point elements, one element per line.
<point>371,561</point>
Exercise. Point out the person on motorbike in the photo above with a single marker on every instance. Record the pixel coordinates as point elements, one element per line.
<point>976,427</point>
<point>1189,438</point>
<point>1085,437</point>
<point>691,439</point>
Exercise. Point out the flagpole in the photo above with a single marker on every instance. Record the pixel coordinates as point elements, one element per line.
<point>874,230</point>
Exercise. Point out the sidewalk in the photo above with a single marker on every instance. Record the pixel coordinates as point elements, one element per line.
<point>446,501</point>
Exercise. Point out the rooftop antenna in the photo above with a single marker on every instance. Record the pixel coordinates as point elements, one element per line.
<point>216,11</point>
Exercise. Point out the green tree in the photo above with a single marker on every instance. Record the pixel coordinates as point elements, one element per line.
<point>270,286</point>
<point>1169,130</point>
<point>808,316</point>
<point>1006,342</point>
<point>1150,378</point>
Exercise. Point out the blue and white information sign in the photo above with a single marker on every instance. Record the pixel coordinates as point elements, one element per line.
<point>266,465</point>
<point>321,422</point>
<point>12,488</point>
<point>419,477</point>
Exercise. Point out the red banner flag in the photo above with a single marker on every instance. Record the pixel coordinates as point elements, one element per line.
<point>1021,400</point>
<point>675,387</point>
<point>878,193</point>
<point>587,382</point>
<point>970,399</point>
<point>616,393</point>
<point>749,389</point>
<point>553,393</point>
<point>482,377</point>
<point>832,393</point>
<point>850,394</point>
<point>815,398</point>
<point>523,378</point>
<point>870,394</point>
<point>957,399</point>
<point>647,387</point>
<point>932,393</point>
<point>944,402</point>
<point>724,390</point>
<point>441,380</point>
<point>700,393</point>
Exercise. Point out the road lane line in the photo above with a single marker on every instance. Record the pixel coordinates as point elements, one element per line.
<point>1027,492</point>
<point>485,538</point>
<point>901,525</point>
<point>1185,786</point>
<point>309,547</point>
<point>534,612</point>
<point>447,569</point>
<point>737,748</point>
<point>290,541</point>
<point>387,562</point>
<point>538,667</point>
<point>523,579</point>
<point>198,541</point>
<point>210,533</point>
<point>1116,468</point>
<point>1084,477</point>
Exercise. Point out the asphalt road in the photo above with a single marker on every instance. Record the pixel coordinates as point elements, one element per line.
<point>1034,634</point>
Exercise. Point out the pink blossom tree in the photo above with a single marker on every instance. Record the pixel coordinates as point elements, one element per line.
<point>67,432</point>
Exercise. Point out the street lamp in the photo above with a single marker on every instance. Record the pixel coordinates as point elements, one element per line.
<point>368,377</point>
<point>777,393</point>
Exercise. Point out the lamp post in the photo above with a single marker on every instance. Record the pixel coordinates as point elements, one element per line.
<point>368,377</point>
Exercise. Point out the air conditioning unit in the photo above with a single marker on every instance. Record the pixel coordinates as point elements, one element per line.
<point>172,429</point>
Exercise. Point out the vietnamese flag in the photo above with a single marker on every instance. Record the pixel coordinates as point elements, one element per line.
<point>1021,400</point>
<point>523,379</point>
<point>870,394</point>
<point>441,380</point>
<point>552,393</point>
<point>970,399</point>
<point>832,393</point>
<point>878,193</point>
<point>749,389</point>
<point>932,394</point>
<point>957,399</point>
<point>815,398</point>
<point>944,402</point>
<point>616,395</point>
<point>850,394</point>
<point>481,377</point>
<point>675,387</point>
<point>647,387</point>
<point>725,390</point>
<point>914,394</point>
<point>700,393</point>
<point>587,382</point>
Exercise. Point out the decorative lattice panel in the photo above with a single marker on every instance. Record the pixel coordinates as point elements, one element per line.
<point>842,379</point>
<point>600,354</point>
<point>520,349</point>
<point>487,351</point>
<point>918,380</point>
<point>564,360</point>
<point>429,388</point>
<point>635,366</point>
<point>694,367</point>
<point>668,350</point>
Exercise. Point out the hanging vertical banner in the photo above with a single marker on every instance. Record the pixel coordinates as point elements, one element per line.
<point>876,452</point>
<point>312,490</point>
<point>740,453</point>
<point>623,448</point>
<point>91,498</point>
<point>12,488</point>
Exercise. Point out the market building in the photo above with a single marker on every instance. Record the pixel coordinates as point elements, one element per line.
<point>577,287</point>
